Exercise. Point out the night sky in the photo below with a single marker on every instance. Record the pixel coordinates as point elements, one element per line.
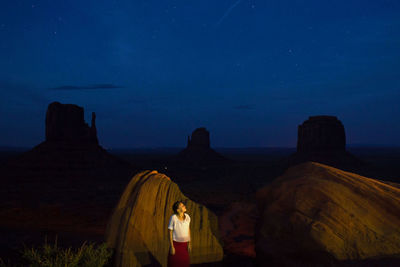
<point>249,71</point>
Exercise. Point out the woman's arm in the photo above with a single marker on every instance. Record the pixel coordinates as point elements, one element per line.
<point>172,249</point>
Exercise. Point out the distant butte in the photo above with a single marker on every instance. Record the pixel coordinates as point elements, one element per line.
<point>323,139</point>
<point>71,145</point>
<point>65,179</point>
<point>200,139</point>
<point>198,149</point>
<point>321,133</point>
<point>65,123</point>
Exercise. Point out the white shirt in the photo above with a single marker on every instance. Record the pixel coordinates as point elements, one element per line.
<point>180,229</point>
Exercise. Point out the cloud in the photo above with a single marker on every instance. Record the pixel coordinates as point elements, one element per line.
<point>93,86</point>
<point>244,107</point>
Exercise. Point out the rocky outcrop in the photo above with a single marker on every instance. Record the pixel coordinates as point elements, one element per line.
<point>137,229</point>
<point>323,139</point>
<point>237,225</point>
<point>66,123</point>
<point>198,150</point>
<point>315,211</point>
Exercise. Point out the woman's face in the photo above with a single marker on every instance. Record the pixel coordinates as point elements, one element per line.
<point>181,207</point>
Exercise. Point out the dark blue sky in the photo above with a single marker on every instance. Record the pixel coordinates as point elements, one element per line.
<point>249,71</point>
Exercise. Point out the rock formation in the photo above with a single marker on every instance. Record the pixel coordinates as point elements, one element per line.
<point>237,226</point>
<point>66,123</point>
<point>323,139</point>
<point>318,212</point>
<point>200,139</point>
<point>71,148</point>
<point>66,184</point>
<point>198,149</point>
<point>138,230</point>
<point>321,133</point>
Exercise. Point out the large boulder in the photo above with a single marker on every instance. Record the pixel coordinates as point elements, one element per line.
<point>315,211</point>
<point>137,229</point>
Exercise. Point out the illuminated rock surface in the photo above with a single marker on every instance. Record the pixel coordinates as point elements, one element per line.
<point>320,211</point>
<point>138,230</point>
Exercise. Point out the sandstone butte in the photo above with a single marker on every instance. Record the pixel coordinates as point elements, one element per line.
<point>138,227</point>
<point>317,209</point>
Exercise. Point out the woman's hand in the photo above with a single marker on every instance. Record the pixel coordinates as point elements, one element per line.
<point>189,246</point>
<point>172,250</point>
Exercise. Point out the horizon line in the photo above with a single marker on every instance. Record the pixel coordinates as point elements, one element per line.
<point>2,147</point>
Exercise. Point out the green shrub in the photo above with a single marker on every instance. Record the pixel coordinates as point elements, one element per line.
<point>9,264</point>
<point>88,255</point>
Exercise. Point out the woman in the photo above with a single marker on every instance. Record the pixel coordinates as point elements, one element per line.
<point>179,237</point>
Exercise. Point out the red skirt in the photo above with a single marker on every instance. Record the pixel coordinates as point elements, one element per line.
<point>181,256</point>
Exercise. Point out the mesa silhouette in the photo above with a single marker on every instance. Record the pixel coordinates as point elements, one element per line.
<point>322,139</point>
<point>198,150</point>
<point>70,145</point>
<point>70,154</point>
